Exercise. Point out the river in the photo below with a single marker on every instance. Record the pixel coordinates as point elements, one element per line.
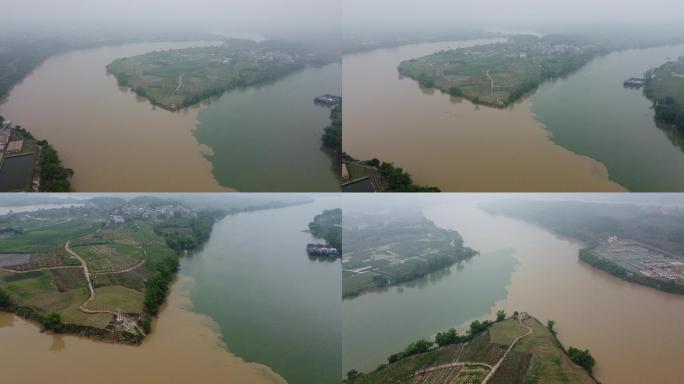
<point>449,142</point>
<point>268,138</point>
<point>615,125</point>
<point>115,141</point>
<point>634,332</point>
<point>273,304</point>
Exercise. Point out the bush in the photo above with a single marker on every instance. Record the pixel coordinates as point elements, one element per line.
<point>455,91</point>
<point>582,358</point>
<point>447,337</point>
<point>500,315</point>
<point>53,321</point>
<point>420,346</point>
<point>4,299</point>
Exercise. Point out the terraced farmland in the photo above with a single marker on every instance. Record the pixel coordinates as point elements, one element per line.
<point>512,351</point>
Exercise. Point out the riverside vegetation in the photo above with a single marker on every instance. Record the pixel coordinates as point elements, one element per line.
<point>328,226</point>
<point>665,87</point>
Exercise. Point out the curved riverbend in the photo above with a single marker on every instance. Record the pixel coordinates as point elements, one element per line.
<point>449,142</point>
<point>113,140</point>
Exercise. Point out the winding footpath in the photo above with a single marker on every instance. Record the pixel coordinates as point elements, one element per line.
<point>39,269</point>
<point>510,348</point>
<point>90,283</point>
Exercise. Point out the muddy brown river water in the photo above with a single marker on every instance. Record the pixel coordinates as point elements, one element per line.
<point>449,142</point>
<point>633,331</point>
<point>114,140</point>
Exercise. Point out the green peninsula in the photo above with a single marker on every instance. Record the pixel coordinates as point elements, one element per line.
<point>101,269</point>
<point>499,74</point>
<point>665,87</point>
<point>517,349</point>
<point>178,78</point>
<point>387,248</point>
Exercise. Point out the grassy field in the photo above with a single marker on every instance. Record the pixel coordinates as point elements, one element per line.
<point>506,332</point>
<point>118,298</point>
<point>107,258</point>
<point>44,239</point>
<point>549,364</point>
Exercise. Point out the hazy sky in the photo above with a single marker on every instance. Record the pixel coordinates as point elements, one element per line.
<point>214,14</point>
<point>498,13</point>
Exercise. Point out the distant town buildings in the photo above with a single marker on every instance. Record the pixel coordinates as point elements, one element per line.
<point>5,135</point>
<point>321,250</point>
<point>116,219</point>
<point>328,100</point>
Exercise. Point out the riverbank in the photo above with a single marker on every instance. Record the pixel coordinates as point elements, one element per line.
<point>198,352</point>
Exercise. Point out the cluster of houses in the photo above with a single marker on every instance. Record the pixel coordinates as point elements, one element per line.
<point>5,135</point>
<point>328,100</point>
<point>116,219</point>
<point>157,213</point>
<point>633,82</point>
<point>321,250</point>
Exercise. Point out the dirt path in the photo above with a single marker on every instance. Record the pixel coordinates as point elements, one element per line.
<point>90,283</point>
<point>180,83</point>
<point>451,365</point>
<point>510,348</point>
<point>491,80</point>
<point>140,264</point>
<point>39,269</point>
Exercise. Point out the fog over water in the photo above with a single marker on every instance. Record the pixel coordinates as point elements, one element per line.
<point>253,15</point>
<point>402,14</point>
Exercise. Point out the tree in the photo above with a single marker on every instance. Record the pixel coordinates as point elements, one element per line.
<point>447,337</point>
<point>550,324</point>
<point>146,325</point>
<point>500,315</point>
<point>4,299</point>
<point>393,358</point>
<point>53,321</point>
<point>420,346</point>
<point>455,91</point>
<point>582,358</point>
<point>352,374</point>
<point>426,80</point>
